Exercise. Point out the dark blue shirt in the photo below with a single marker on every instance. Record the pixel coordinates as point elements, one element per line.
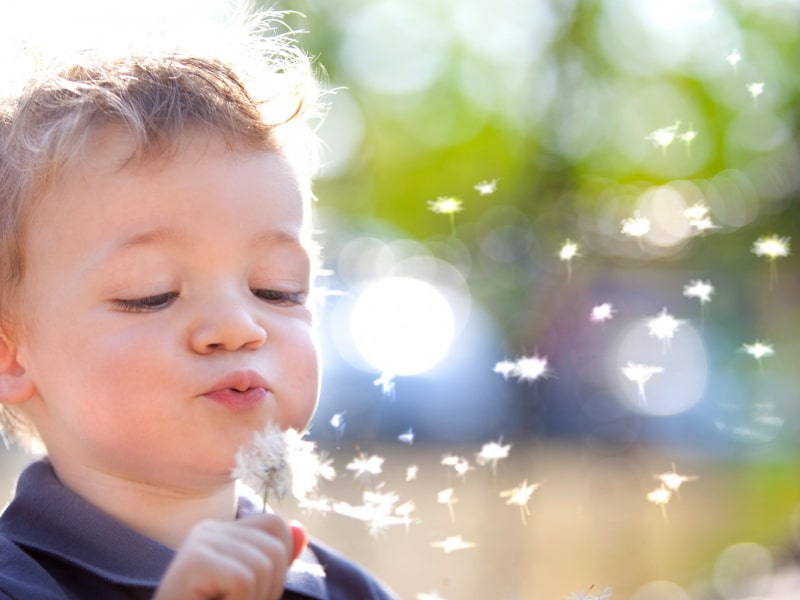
<point>56,545</point>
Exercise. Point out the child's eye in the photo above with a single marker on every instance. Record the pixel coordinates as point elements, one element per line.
<point>281,298</point>
<point>146,304</point>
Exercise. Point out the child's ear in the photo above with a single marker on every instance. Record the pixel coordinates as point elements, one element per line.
<point>15,385</point>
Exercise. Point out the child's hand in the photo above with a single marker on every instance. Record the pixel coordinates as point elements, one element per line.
<point>243,559</point>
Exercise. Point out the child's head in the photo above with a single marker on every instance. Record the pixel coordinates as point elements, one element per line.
<point>116,150</point>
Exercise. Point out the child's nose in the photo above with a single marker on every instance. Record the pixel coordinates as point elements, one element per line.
<point>227,325</point>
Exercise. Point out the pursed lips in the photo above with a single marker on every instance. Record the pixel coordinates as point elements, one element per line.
<point>239,390</point>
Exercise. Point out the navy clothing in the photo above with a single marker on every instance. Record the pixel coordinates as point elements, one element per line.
<point>55,545</point>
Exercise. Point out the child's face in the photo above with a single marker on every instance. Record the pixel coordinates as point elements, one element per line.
<point>164,311</point>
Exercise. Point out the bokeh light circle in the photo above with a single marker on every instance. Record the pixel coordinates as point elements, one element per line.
<point>402,325</point>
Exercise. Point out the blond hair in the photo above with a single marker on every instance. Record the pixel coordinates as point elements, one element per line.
<point>254,87</point>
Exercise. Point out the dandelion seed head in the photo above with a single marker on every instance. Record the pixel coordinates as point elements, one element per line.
<point>771,246</point>
<point>636,226</point>
<point>486,187</point>
<point>602,312</point>
<point>445,205</point>
<point>453,543</point>
<point>276,462</point>
<point>701,290</point>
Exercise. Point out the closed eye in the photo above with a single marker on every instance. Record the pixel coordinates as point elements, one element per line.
<point>281,298</point>
<point>147,303</point>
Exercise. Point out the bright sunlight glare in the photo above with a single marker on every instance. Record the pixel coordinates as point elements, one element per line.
<point>402,325</point>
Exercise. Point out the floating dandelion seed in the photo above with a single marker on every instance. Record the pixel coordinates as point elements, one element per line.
<point>759,350</point>
<point>701,290</point>
<point>663,137</point>
<point>484,188</point>
<point>453,543</point>
<point>734,58</point>
<point>505,368</point>
<point>660,496</point>
<point>276,462</point>
<point>366,465</point>
<point>771,247</point>
<point>407,437</point>
<point>434,595</point>
<point>699,219</point>
<point>568,251</point>
<point>386,382</point>
<point>603,595</point>
<point>338,423</point>
<point>411,472</point>
<point>319,505</point>
<point>520,496</point>
<point>602,312</point>
<point>377,511</point>
<point>530,368</point>
<point>687,137</point>
<point>448,497</point>
<point>636,227</point>
<point>640,374</point>
<point>673,481</point>
<point>756,89</point>
<point>462,467</point>
<point>663,326</point>
<point>491,453</point>
<point>447,205</point>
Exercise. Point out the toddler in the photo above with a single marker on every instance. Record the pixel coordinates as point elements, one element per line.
<point>155,271</point>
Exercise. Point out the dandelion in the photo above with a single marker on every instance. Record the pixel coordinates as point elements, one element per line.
<point>453,543</point>
<point>663,137</point>
<point>759,350</point>
<point>277,462</point>
<point>663,326</point>
<point>386,382</point>
<point>411,472</point>
<point>602,312</point>
<point>568,251</point>
<point>640,374</point>
<point>672,480</point>
<point>771,247</point>
<point>366,465</point>
<point>446,205</point>
<point>484,188</point>
<point>603,595</point>
<point>448,497</point>
<point>520,496</point>
<point>756,89</point>
<point>660,497</point>
<point>492,453</point>
<point>636,227</point>
<point>734,58</point>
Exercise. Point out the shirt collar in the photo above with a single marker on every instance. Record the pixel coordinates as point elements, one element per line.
<point>50,518</point>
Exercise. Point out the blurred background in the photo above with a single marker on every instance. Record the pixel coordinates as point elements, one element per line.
<point>560,307</point>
